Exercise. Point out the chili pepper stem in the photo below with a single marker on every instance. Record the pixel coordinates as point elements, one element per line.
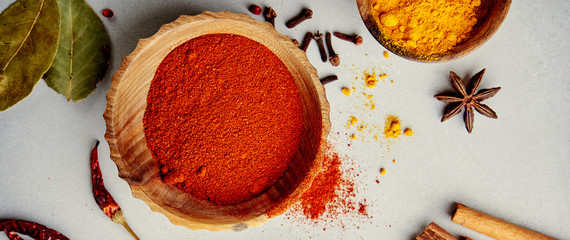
<point>119,218</point>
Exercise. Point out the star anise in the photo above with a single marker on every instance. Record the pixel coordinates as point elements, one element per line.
<point>467,99</point>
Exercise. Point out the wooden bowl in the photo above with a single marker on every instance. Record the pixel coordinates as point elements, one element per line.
<point>489,19</point>
<point>126,104</point>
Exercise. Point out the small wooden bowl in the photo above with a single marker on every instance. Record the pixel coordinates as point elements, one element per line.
<point>126,104</point>
<point>488,22</point>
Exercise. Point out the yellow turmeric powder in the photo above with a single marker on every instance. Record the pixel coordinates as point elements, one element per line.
<point>352,121</point>
<point>370,80</point>
<point>370,101</point>
<point>408,132</point>
<point>392,128</point>
<point>426,27</point>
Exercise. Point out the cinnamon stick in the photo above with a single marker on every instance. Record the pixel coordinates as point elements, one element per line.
<point>492,226</point>
<point>435,232</point>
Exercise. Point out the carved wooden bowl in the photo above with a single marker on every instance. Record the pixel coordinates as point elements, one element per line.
<point>126,104</point>
<point>490,17</point>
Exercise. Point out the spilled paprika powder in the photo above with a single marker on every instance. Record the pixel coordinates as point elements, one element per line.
<point>333,193</point>
<point>223,118</point>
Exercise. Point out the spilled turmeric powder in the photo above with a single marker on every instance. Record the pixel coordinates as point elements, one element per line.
<point>352,136</point>
<point>408,132</point>
<point>352,121</point>
<point>426,27</point>
<point>392,128</point>
<point>370,101</point>
<point>371,79</point>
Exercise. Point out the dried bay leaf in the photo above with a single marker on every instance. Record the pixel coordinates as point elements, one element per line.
<point>29,34</point>
<point>83,55</point>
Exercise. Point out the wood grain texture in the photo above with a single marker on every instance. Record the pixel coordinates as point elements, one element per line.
<point>126,104</point>
<point>435,232</point>
<point>489,20</point>
<point>492,226</point>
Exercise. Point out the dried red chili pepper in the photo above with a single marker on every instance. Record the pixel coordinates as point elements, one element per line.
<point>13,235</point>
<point>103,197</point>
<point>32,229</point>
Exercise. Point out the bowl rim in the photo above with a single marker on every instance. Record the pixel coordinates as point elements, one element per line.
<point>129,60</point>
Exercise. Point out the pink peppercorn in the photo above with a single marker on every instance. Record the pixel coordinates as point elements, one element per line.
<point>255,9</point>
<point>108,13</point>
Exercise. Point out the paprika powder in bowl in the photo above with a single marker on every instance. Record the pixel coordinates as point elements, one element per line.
<point>217,121</point>
<point>433,31</point>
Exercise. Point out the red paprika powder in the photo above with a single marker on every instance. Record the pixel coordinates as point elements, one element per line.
<point>223,118</point>
<point>332,193</point>
<point>324,189</point>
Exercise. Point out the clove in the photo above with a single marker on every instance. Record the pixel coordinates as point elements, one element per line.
<point>304,15</point>
<point>334,59</point>
<point>306,41</point>
<point>329,79</point>
<point>357,40</point>
<point>270,15</point>
<point>319,38</point>
<point>295,42</point>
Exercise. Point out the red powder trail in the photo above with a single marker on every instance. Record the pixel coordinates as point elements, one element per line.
<point>323,191</point>
<point>332,193</point>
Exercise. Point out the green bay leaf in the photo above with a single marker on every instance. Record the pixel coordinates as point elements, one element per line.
<point>83,55</point>
<point>29,33</point>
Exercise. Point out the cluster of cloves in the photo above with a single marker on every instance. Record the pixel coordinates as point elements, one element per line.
<point>305,14</point>
<point>332,55</point>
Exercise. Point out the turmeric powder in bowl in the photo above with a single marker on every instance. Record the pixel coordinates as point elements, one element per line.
<point>425,27</point>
